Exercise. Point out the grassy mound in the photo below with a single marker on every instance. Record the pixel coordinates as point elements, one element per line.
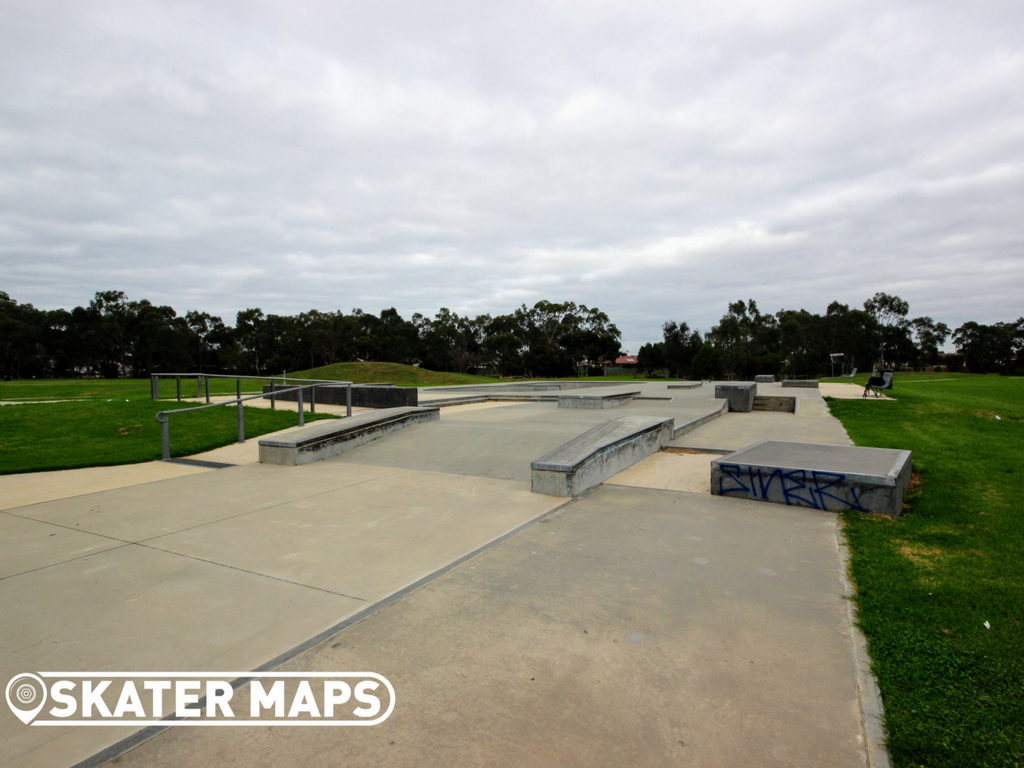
<point>394,373</point>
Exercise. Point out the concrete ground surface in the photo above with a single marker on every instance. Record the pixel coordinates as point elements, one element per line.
<point>659,626</point>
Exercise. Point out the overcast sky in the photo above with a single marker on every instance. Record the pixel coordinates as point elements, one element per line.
<point>657,160</point>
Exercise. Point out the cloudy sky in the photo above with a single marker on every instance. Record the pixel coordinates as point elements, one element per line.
<point>657,160</point>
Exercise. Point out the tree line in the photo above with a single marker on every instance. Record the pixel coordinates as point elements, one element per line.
<point>114,337</point>
<point>746,343</point>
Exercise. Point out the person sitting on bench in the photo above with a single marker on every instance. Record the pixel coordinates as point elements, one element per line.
<point>877,383</point>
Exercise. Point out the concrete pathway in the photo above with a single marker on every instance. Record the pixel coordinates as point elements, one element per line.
<point>658,626</point>
<point>631,628</point>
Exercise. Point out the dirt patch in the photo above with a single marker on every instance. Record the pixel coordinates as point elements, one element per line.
<point>992,416</point>
<point>918,554</point>
<point>912,490</point>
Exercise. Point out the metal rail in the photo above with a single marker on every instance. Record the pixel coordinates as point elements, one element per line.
<point>163,416</point>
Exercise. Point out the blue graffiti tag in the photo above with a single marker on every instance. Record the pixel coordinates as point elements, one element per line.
<point>798,487</point>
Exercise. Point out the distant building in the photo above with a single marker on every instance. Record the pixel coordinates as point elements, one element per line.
<point>626,360</point>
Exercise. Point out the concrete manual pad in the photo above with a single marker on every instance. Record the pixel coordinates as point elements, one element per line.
<point>669,472</point>
<point>827,477</point>
<point>633,627</point>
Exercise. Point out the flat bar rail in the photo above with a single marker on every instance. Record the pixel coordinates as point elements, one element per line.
<point>163,417</point>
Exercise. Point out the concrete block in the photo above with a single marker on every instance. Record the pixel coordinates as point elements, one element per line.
<point>363,395</point>
<point>325,439</point>
<point>807,383</point>
<point>596,400</point>
<point>686,385</point>
<point>764,378</point>
<point>740,395</point>
<point>600,453</point>
<point>827,477</point>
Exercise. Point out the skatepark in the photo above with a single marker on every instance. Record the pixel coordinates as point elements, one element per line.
<point>640,618</point>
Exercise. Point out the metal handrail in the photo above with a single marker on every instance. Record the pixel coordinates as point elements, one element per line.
<point>163,416</point>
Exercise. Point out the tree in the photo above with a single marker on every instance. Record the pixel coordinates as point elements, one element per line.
<point>986,348</point>
<point>707,363</point>
<point>680,346</point>
<point>651,357</point>
<point>930,336</point>
<point>895,345</point>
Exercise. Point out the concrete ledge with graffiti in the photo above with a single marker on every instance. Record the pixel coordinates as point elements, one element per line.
<point>832,478</point>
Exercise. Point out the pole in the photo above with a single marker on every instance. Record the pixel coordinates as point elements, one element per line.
<point>312,398</point>
<point>302,413</point>
<point>199,387</point>
<point>348,400</point>
<point>178,381</point>
<point>241,413</point>
<point>165,437</point>
<point>272,406</point>
<point>207,388</point>
<point>154,387</point>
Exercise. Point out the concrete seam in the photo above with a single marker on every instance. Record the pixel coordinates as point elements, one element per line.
<point>141,737</point>
<point>872,710</point>
<point>62,562</point>
<point>271,506</point>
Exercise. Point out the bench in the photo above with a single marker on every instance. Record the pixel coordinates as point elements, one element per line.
<point>877,383</point>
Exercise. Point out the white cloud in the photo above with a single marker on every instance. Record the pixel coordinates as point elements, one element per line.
<point>655,160</point>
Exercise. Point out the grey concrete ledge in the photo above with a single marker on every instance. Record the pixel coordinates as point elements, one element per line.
<point>764,378</point>
<point>805,383</point>
<point>687,385</point>
<point>596,455</point>
<point>325,439</point>
<point>739,394</point>
<point>835,478</point>
<point>611,400</point>
<point>524,386</point>
<point>363,395</point>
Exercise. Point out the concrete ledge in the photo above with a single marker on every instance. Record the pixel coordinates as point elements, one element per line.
<point>600,453</point>
<point>740,395</point>
<point>692,424</point>
<point>807,383</point>
<point>363,395</point>
<point>325,439</point>
<point>613,400</point>
<point>764,378</point>
<point>687,385</point>
<point>835,478</point>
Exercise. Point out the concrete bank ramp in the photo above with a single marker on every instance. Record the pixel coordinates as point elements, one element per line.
<point>326,439</point>
<point>600,453</point>
<point>827,477</point>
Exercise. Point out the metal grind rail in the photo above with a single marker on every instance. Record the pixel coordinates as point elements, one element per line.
<point>311,384</point>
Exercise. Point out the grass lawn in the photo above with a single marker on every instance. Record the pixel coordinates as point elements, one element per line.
<point>359,373</point>
<point>45,436</point>
<point>927,584</point>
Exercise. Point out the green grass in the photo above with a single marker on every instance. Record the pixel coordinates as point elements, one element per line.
<point>927,583</point>
<point>46,436</point>
<point>359,373</point>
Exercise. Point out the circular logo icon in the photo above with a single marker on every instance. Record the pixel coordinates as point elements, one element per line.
<point>26,695</point>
